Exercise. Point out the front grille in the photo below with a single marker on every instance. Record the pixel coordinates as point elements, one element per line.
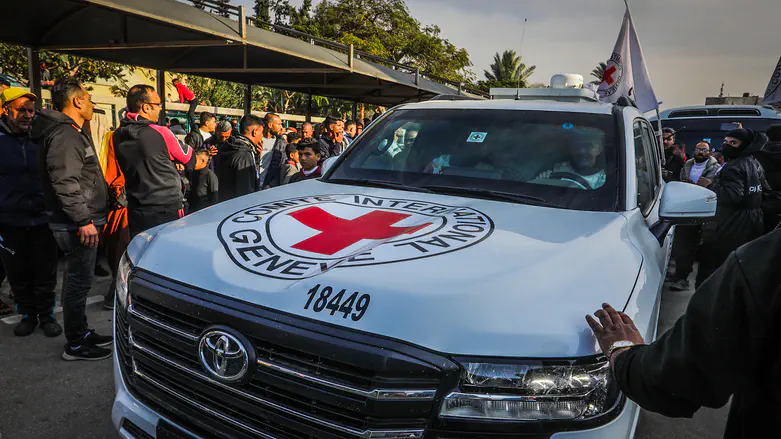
<point>311,382</point>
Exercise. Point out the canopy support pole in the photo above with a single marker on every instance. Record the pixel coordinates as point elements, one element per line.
<point>34,75</point>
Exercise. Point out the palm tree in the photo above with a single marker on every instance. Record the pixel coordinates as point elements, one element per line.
<point>599,73</point>
<point>509,70</point>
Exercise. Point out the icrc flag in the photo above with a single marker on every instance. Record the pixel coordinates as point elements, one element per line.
<point>773,93</point>
<point>626,74</point>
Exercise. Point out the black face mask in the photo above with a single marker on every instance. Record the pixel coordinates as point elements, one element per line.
<point>731,152</point>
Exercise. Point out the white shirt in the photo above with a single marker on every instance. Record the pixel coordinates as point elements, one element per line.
<point>206,136</point>
<point>697,170</point>
<point>265,157</point>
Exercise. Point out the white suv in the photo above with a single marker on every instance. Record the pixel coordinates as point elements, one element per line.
<point>433,284</point>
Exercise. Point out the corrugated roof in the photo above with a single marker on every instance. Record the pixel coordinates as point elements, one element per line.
<point>174,36</point>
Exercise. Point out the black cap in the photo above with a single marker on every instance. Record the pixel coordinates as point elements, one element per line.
<point>745,136</point>
<point>774,133</point>
<point>668,131</point>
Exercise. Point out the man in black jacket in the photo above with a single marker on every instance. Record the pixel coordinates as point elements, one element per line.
<point>673,163</point>
<point>333,142</point>
<point>739,188</point>
<point>238,171</point>
<point>146,153</point>
<point>770,159</point>
<point>723,346</point>
<point>75,193</point>
<point>28,250</point>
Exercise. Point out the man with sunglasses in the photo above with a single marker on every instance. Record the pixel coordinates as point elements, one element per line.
<point>148,155</point>
<point>75,193</point>
<point>700,170</point>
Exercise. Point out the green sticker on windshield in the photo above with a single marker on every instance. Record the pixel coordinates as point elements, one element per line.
<point>477,137</point>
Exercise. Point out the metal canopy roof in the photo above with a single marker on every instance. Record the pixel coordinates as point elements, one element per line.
<point>177,37</point>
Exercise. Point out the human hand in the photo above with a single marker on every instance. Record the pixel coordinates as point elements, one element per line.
<point>212,151</point>
<point>89,235</point>
<point>179,166</point>
<point>613,326</point>
<point>704,182</point>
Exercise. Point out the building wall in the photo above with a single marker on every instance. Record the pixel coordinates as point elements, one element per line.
<point>734,100</point>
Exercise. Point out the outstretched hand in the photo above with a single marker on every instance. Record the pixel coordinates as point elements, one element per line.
<point>613,326</point>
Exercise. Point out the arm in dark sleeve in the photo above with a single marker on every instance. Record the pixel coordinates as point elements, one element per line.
<point>275,167</point>
<point>214,189</point>
<point>246,176</point>
<point>64,160</point>
<point>700,360</point>
<point>730,187</point>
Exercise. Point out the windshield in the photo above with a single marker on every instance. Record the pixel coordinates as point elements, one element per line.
<point>689,132</point>
<point>562,159</point>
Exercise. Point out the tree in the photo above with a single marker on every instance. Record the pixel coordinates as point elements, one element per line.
<point>382,28</point>
<point>508,70</point>
<point>599,73</point>
<point>13,60</point>
<point>222,11</point>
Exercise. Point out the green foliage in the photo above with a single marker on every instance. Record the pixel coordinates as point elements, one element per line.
<point>507,71</point>
<point>382,28</point>
<point>13,60</point>
<point>599,73</point>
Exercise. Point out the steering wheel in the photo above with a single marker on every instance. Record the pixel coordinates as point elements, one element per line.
<point>574,178</point>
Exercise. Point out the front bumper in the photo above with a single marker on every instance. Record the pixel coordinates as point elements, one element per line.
<point>127,408</point>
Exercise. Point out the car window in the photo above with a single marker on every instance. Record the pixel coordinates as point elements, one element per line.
<point>690,132</point>
<point>568,159</point>
<point>655,164</point>
<point>645,182</point>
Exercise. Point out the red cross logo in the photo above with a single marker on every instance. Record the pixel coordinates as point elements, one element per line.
<point>336,234</point>
<point>609,75</point>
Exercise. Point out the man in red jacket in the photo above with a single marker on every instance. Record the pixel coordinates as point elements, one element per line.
<point>187,96</point>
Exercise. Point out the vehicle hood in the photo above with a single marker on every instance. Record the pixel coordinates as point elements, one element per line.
<point>452,274</point>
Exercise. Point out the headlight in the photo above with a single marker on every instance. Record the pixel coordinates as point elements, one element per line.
<point>123,272</point>
<point>531,392</point>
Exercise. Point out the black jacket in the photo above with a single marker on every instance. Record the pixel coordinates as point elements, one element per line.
<point>278,158</point>
<point>739,216</point>
<point>300,176</point>
<point>770,158</point>
<point>74,188</point>
<point>205,189</point>
<point>329,148</point>
<point>673,164</point>
<point>21,194</point>
<point>151,179</point>
<point>726,344</point>
<point>196,141</point>
<point>238,169</point>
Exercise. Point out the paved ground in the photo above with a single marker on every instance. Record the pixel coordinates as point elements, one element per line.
<point>42,396</point>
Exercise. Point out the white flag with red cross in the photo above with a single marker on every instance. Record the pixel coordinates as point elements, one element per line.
<point>626,74</point>
<point>773,92</point>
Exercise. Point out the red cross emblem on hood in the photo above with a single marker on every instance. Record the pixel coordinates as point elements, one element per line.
<point>336,234</point>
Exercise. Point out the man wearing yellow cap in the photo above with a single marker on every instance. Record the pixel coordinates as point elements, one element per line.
<point>27,247</point>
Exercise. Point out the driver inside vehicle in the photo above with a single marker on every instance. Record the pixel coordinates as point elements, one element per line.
<point>585,166</point>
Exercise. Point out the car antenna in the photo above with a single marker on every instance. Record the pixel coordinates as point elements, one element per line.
<point>520,73</point>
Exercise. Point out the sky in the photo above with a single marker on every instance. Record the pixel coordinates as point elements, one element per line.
<point>690,46</point>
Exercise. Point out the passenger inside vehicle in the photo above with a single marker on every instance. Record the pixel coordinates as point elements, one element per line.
<point>585,166</point>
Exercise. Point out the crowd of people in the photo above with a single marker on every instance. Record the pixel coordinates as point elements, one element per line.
<point>61,198</point>
<point>746,176</point>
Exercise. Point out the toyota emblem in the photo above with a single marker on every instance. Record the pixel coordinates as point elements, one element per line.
<point>225,356</point>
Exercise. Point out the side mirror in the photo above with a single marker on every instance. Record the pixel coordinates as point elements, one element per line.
<point>327,164</point>
<point>683,204</point>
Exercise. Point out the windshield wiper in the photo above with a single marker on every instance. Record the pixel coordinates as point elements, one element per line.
<point>495,195</point>
<point>378,183</point>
